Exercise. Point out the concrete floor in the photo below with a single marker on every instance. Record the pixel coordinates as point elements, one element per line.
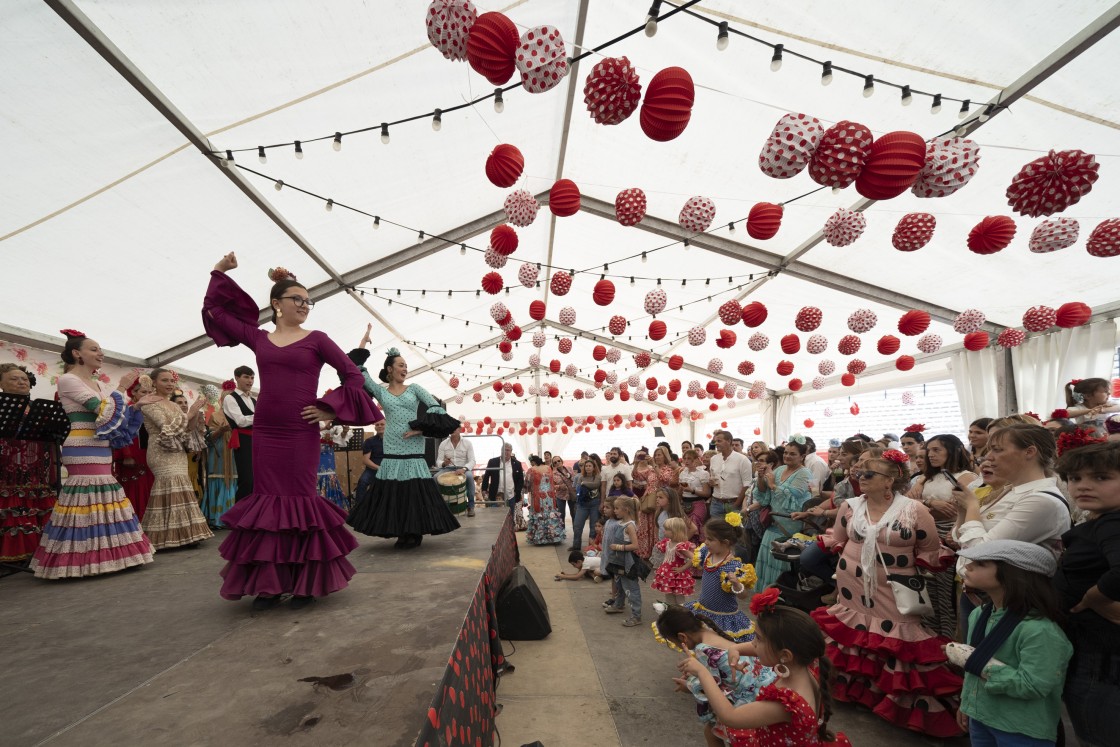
<point>154,656</point>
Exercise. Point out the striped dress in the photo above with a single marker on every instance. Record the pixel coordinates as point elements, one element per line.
<point>93,528</point>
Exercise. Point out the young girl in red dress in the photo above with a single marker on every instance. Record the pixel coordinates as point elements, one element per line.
<point>795,709</point>
<point>674,576</point>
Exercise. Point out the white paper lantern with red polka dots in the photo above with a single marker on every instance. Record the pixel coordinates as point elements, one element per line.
<point>1052,235</point>
<point>862,320</point>
<point>828,412</point>
<point>1011,338</point>
<point>449,26</point>
<point>612,377</point>
<point>697,335</point>
<point>614,355</point>
<point>508,356</point>
<point>758,341</point>
<point>538,339</point>
<point>499,311</point>
<point>715,365</point>
<point>950,164</point>
<point>528,275</point>
<point>826,367</point>
<point>495,260</point>
<point>790,146</point>
<point>655,301</point>
<point>929,343</point>
<point>697,214</point>
<point>844,227</point>
<point>521,208</point>
<point>458,399</point>
<point>535,360</point>
<point>818,382</point>
<point>816,344</point>
<point>758,389</point>
<point>969,320</point>
<point>633,380</point>
<point>541,59</point>
<point>570,369</point>
<point>729,388</point>
<point>568,316</point>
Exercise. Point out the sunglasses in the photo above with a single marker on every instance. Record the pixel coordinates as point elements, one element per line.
<point>869,474</point>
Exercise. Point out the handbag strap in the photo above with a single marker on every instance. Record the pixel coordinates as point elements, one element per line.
<point>986,645</point>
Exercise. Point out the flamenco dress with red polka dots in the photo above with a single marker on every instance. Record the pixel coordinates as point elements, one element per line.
<point>799,731</point>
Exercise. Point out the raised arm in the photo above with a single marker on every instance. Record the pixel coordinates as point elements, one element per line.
<point>229,315</point>
<point>435,423</point>
<point>114,421</point>
<point>348,403</point>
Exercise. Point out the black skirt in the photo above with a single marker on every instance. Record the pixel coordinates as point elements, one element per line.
<point>393,508</point>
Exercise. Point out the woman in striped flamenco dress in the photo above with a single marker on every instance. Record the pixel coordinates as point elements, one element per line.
<point>93,529</point>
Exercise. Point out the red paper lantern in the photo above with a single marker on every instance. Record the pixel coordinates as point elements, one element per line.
<point>651,382</point>
<point>657,329</point>
<point>504,238</point>
<point>497,386</point>
<point>991,234</point>
<point>791,344</point>
<point>492,46</point>
<point>514,333</point>
<point>726,339</point>
<point>675,362</point>
<point>667,106</point>
<point>914,322</point>
<point>976,341</point>
<point>612,91</point>
<point>599,352</point>
<point>537,310</point>
<point>492,283</point>
<point>794,386</point>
<point>600,376</point>
<point>503,168</point>
<point>477,397</point>
<point>603,293</point>
<point>554,366</point>
<point>904,362</point>
<point>754,314</point>
<point>764,220</point>
<point>1073,314</point>
<point>1104,241</point>
<point>785,368</point>
<point>675,385</point>
<point>848,379</point>
<point>892,166</point>
<point>1011,338</point>
<point>564,198</point>
<point>840,155</point>
<point>1052,183</point>
<point>808,423</point>
<point>854,409</point>
<point>888,345</point>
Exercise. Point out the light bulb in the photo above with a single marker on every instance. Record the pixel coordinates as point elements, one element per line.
<point>651,18</point>
<point>385,133</point>
<point>337,144</point>
<point>437,120</point>
<point>499,103</point>
<point>907,97</point>
<point>776,60</point>
<point>279,185</point>
<point>868,86</point>
<point>826,73</point>
<point>376,222</point>
<point>261,154</point>
<point>299,150</point>
<point>644,258</point>
<point>330,205</point>
<point>964,109</point>
<point>936,108</point>
<point>722,39</point>
<point>987,113</point>
<point>462,248</point>
<point>229,159</point>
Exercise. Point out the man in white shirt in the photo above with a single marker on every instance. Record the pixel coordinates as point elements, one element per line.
<point>816,465</point>
<point>614,466</point>
<point>457,455</point>
<point>504,478</point>
<point>239,407</point>
<point>694,488</point>
<point>731,477</point>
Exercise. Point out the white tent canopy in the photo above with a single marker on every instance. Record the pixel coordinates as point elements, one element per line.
<point>112,217</point>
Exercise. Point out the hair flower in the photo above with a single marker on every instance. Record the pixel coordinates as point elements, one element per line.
<point>392,353</point>
<point>72,333</point>
<point>916,428</point>
<point>228,385</point>
<point>797,438</point>
<point>661,639</point>
<point>734,518</point>
<point>1074,382</point>
<point>896,456</point>
<point>1077,439</point>
<point>764,601</point>
<point>1060,414</point>
<point>276,274</point>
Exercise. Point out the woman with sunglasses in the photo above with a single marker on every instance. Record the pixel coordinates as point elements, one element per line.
<point>887,660</point>
<point>285,539</point>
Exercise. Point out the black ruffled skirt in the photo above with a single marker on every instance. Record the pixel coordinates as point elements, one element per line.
<point>394,508</point>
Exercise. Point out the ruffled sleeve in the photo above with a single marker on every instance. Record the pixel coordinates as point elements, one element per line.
<point>662,545</point>
<point>229,315</point>
<point>736,571</point>
<point>116,422</point>
<point>698,556</point>
<point>349,402</point>
<point>164,428</point>
<point>435,423</point>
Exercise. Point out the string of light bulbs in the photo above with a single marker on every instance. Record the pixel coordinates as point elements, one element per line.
<point>828,69</point>
<point>436,115</point>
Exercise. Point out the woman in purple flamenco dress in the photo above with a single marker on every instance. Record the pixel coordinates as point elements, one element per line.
<point>285,538</point>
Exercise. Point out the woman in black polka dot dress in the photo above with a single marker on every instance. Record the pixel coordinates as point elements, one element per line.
<point>885,660</point>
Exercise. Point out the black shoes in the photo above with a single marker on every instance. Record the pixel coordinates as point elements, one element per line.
<point>299,603</point>
<point>263,603</point>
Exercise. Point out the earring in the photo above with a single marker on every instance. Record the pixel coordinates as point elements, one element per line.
<point>781,670</point>
<point>279,313</point>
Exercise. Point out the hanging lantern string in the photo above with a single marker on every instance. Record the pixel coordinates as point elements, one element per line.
<point>828,68</point>
<point>383,127</point>
<point>594,270</point>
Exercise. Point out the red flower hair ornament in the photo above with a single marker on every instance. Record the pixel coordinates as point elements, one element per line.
<point>915,428</point>
<point>72,333</point>
<point>1077,439</point>
<point>764,601</point>
<point>276,274</point>
<point>896,456</point>
<point>1060,414</point>
<point>228,385</point>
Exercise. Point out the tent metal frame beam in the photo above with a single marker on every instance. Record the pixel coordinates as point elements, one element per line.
<point>468,350</point>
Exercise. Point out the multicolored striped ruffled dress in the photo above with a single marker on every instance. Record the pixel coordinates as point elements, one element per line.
<point>93,528</point>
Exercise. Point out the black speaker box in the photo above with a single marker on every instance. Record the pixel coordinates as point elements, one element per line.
<point>522,613</point>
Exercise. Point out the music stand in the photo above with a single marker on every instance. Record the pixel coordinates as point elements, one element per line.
<point>44,420</point>
<point>354,443</point>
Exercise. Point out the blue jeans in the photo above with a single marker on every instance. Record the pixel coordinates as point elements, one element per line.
<point>629,588</point>
<point>718,509</point>
<point>583,514</point>
<point>986,736</point>
<point>1092,694</point>
<point>819,563</point>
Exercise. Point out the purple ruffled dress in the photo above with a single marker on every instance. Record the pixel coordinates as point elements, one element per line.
<point>285,538</point>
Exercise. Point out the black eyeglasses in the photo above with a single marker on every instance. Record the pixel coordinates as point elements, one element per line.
<point>300,301</point>
<point>868,474</point>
